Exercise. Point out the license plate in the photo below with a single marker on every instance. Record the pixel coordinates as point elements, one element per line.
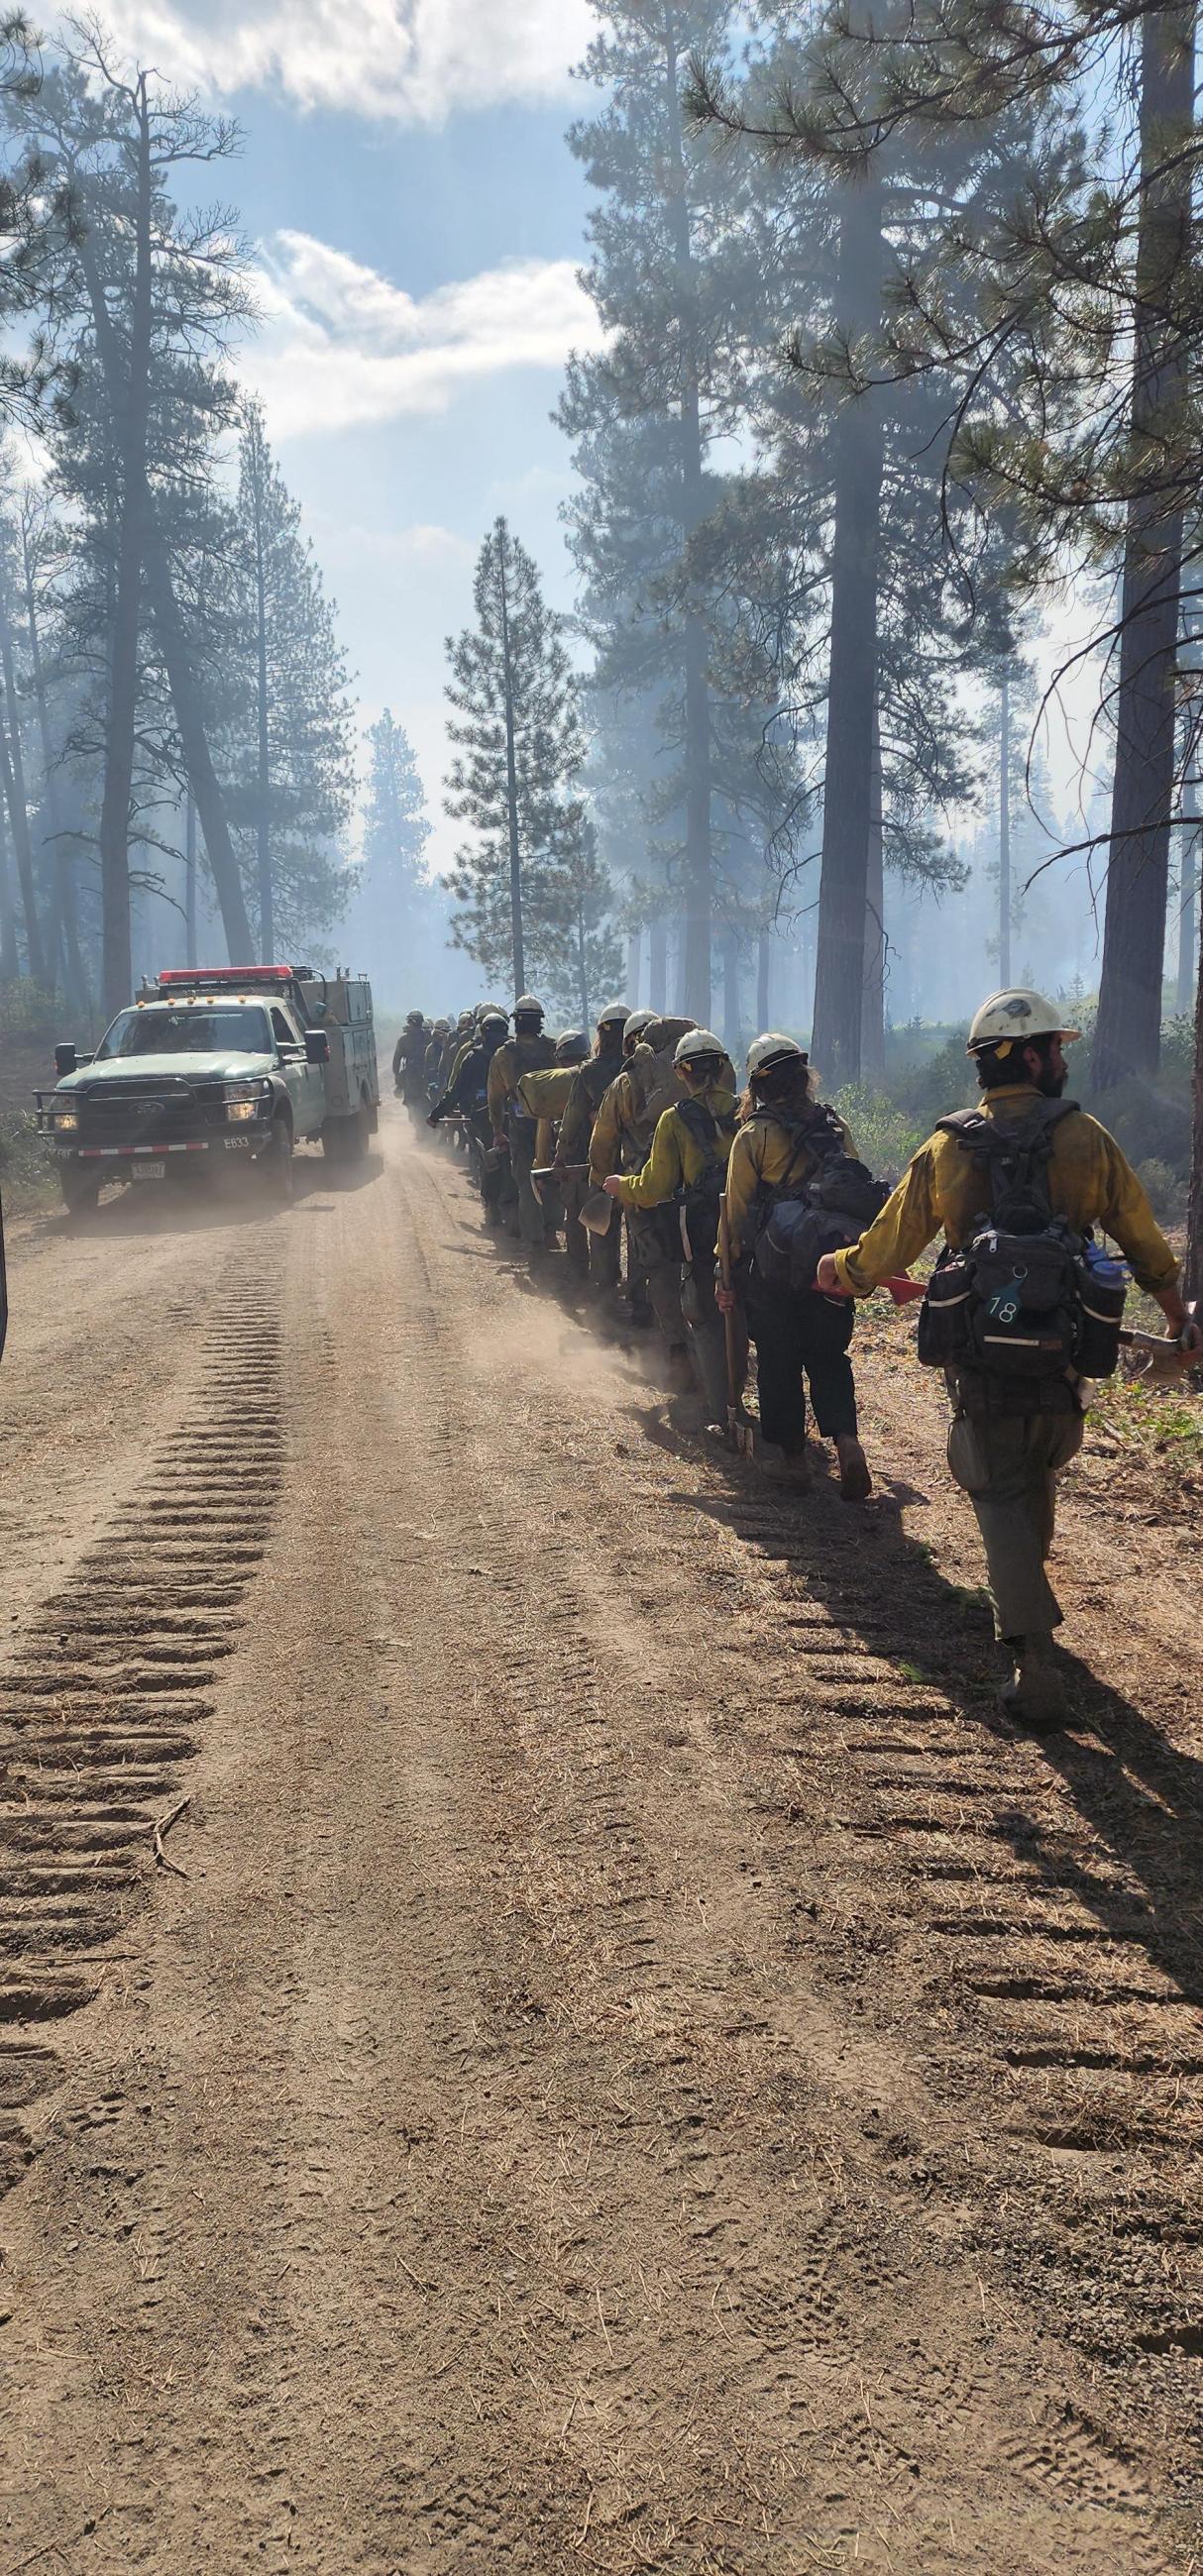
<point>148,1171</point>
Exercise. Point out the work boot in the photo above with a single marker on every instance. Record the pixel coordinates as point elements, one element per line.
<point>1035,1695</point>
<point>856,1483</point>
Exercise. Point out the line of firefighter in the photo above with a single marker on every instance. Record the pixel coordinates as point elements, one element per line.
<point>649,1118</point>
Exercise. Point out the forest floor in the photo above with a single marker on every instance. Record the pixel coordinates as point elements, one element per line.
<point>616,2065</point>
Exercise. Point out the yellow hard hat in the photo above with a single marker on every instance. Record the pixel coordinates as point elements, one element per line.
<point>1014,1018</point>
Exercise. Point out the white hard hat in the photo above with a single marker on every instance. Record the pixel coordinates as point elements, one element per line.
<point>614,1012</point>
<point>635,1024</point>
<point>527,1008</point>
<point>1014,1018</point>
<point>695,1043</point>
<point>772,1049</point>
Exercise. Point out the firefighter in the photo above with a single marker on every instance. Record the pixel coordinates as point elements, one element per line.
<point>467,1094</point>
<point>529,1050</point>
<point>409,1061</point>
<point>433,1077</point>
<point>408,1038</point>
<point>621,1141</point>
<point>1011,1437</point>
<point>543,1096</point>
<point>798,1334</point>
<point>680,1185</point>
<point>594,1255</point>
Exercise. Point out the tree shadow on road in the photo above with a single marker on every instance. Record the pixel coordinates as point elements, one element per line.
<point>1139,1793</point>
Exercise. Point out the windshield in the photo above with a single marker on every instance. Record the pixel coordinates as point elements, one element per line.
<point>242,1030</point>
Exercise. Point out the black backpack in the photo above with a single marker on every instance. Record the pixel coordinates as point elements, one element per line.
<point>1028,1296</point>
<point>799,1220</point>
<point>696,1206</point>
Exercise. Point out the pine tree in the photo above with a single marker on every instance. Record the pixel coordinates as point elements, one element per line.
<point>394,884</point>
<point>674,281</point>
<point>519,748</point>
<point>852,589</point>
<point>1062,318</point>
<point>574,942</point>
<point>287,743</point>
<point>142,301</point>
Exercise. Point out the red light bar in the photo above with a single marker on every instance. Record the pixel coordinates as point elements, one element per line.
<point>240,975</point>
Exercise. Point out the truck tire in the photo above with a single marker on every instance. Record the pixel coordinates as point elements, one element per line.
<point>276,1166</point>
<point>345,1140</point>
<point>81,1190</point>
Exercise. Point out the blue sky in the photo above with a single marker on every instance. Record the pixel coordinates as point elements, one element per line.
<point>417,221</point>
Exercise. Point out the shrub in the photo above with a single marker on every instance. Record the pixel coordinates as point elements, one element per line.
<point>27,1012</point>
<point>885,1137</point>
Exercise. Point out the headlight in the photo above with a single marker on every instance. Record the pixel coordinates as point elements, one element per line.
<point>62,1120</point>
<point>245,1099</point>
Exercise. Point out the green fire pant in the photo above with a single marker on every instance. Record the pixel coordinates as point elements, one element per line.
<point>1008,1465</point>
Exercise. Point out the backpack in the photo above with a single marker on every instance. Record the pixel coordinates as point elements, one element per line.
<point>799,1220</point>
<point>654,1088</point>
<point>1028,1297</point>
<point>697,1202</point>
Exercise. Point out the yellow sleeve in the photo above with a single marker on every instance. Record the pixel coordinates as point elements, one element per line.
<point>603,1143</point>
<point>743,1178</point>
<point>498,1086</point>
<point>1128,1217</point>
<point>907,1224</point>
<point>662,1173</point>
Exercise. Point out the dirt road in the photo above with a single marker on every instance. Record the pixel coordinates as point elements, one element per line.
<point>635,2075</point>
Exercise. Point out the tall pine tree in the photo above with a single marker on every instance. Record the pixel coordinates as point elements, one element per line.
<point>673,279</point>
<point>519,748</point>
<point>287,738</point>
<point>394,887</point>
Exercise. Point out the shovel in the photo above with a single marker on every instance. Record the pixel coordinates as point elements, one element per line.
<point>739,1429</point>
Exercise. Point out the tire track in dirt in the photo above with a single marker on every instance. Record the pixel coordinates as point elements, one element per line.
<point>108,1685</point>
<point>971,1891</point>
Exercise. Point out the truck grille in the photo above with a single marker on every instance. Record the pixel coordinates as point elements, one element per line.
<point>143,1113</point>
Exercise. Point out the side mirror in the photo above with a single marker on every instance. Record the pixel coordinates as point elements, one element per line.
<point>317,1047</point>
<point>65,1057</point>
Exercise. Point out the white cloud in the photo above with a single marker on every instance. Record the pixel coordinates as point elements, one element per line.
<point>415,60</point>
<point>342,345</point>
